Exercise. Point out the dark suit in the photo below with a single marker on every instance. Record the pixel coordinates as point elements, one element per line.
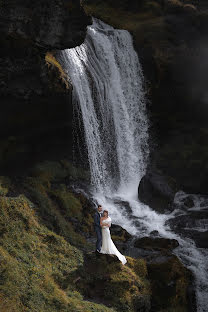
<point>98,230</point>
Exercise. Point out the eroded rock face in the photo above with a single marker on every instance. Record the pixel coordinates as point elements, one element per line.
<point>35,96</point>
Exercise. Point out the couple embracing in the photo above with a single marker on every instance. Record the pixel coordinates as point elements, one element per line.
<point>104,244</point>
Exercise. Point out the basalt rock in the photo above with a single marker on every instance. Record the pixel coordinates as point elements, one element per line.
<point>157,191</point>
<point>156,243</point>
<point>193,225</point>
<point>50,24</point>
<point>35,94</point>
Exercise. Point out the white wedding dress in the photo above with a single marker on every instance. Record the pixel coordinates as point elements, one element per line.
<point>108,246</point>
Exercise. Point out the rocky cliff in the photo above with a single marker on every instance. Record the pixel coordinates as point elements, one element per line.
<point>35,95</point>
<point>46,233</point>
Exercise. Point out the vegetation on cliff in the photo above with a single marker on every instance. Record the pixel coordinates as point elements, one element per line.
<point>43,231</point>
<point>46,254</point>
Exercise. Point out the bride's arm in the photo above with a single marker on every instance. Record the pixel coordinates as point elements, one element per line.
<point>109,223</point>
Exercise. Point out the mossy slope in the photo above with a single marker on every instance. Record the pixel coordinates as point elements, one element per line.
<point>35,263</point>
<point>43,248</point>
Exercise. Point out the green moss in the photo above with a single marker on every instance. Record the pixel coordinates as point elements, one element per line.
<point>70,204</point>
<point>170,280</point>
<point>125,288</point>
<point>44,259</point>
<point>50,212</point>
<point>35,263</point>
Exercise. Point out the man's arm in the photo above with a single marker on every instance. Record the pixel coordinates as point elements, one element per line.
<point>96,219</point>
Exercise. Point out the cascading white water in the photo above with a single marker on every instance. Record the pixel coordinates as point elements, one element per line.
<point>108,86</point>
<point>108,89</point>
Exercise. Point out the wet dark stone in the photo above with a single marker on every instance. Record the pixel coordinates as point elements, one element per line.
<point>189,202</point>
<point>120,232</point>
<point>157,191</point>
<point>156,243</point>
<point>154,233</point>
<point>192,225</point>
<point>125,205</point>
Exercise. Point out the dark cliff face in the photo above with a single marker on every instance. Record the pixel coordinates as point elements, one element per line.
<point>36,114</point>
<point>170,38</point>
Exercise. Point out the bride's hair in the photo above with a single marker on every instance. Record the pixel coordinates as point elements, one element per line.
<point>105,211</point>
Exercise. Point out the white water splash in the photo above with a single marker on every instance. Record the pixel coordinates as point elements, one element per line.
<point>108,89</point>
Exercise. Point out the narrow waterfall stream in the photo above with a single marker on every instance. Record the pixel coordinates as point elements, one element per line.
<point>109,90</point>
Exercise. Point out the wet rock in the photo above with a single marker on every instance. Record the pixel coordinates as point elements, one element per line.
<point>124,205</point>
<point>200,238</point>
<point>192,225</point>
<point>154,233</point>
<point>157,191</point>
<point>188,202</point>
<point>156,243</point>
<point>119,233</point>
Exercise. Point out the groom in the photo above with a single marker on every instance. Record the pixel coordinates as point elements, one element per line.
<point>97,227</point>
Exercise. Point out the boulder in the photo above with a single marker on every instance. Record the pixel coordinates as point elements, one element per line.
<point>188,202</point>
<point>157,191</point>
<point>156,243</point>
<point>120,234</point>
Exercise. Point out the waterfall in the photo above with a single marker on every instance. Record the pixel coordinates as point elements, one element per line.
<point>108,89</point>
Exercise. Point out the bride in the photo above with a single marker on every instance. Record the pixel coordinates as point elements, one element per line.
<point>108,246</point>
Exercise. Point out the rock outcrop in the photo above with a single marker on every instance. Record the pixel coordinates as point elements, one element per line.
<point>50,24</point>
<point>36,114</point>
<point>103,278</point>
<point>157,191</point>
<point>193,225</point>
<point>158,243</point>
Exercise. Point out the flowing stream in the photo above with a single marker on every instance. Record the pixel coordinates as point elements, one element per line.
<point>108,89</point>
